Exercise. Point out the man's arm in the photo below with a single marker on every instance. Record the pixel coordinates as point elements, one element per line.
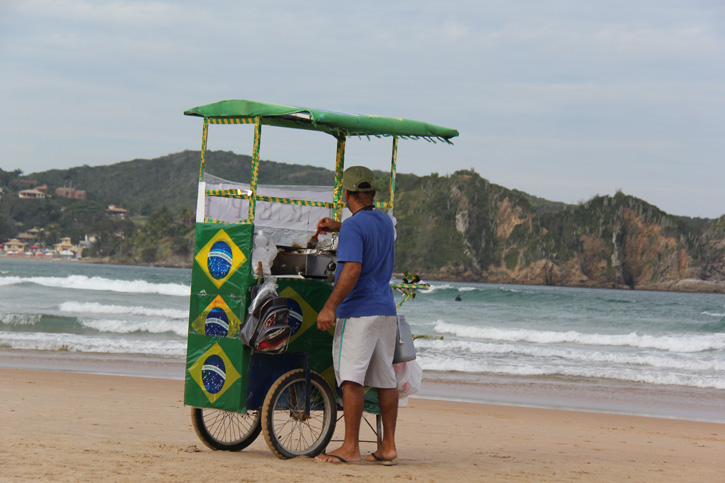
<point>344,285</point>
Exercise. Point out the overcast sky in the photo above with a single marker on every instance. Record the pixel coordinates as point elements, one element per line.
<point>562,99</point>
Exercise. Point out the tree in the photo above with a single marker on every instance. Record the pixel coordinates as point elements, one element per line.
<point>7,177</point>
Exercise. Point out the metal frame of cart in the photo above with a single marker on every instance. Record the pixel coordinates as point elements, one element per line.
<point>235,393</point>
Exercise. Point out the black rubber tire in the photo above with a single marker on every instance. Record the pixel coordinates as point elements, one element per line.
<point>288,431</point>
<point>226,430</point>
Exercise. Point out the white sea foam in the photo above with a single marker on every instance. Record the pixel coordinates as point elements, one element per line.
<point>466,288</point>
<point>19,319</point>
<point>10,281</point>
<point>178,327</point>
<point>96,308</point>
<point>564,355</point>
<point>81,282</point>
<point>81,343</point>
<point>434,288</point>
<point>447,364</point>
<point>713,314</point>
<point>507,289</point>
<point>672,342</point>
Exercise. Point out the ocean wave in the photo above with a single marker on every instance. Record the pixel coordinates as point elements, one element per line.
<point>81,282</point>
<point>453,364</point>
<point>96,308</point>
<point>672,342</point>
<point>685,362</point>
<point>20,319</point>
<point>435,288</point>
<point>713,314</point>
<point>80,343</point>
<point>179,328</point>
<point>467,288</point>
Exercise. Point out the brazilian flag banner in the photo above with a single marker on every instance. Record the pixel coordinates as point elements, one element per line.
<point>222,259</point>
<point>217,373</point>
<point>217,364</point>
<point>215,315</point>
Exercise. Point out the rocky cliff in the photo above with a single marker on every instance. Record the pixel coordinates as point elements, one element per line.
<point>463,227</point>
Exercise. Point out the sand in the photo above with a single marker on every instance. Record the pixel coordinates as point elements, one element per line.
<point>65,426</point>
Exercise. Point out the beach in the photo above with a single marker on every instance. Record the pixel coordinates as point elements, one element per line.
<point>520,383</point>
<point>65,426</point>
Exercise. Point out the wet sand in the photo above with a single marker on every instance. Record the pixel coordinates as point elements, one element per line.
<point>582,394</point>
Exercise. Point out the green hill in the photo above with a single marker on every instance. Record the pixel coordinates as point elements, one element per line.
<point>458,227</point>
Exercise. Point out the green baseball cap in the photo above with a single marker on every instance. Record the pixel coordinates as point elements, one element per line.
<point>358,178</point>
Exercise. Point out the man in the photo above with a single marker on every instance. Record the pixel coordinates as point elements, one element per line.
<point>366,325</point>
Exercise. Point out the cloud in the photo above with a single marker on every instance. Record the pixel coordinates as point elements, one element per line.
<point>532,86</point>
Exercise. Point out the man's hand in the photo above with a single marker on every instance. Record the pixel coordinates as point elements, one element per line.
<point>328,225</point>
<point>326,318</point>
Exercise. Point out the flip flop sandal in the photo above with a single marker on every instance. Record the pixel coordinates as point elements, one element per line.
<point>380,461</point>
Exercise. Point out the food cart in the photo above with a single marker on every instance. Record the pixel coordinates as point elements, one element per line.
<point>253,268</point>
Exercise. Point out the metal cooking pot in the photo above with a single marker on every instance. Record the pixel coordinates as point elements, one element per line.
<point>312,263</point>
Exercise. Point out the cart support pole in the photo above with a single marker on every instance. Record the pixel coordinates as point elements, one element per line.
<point>308,383</point>
<point>255,167</point>
<point>204,135</point>
<point>338,195</point>
<point>392,171</point>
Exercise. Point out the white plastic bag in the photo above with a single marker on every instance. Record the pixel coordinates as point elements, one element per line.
<point>268,287</point>
<point>409,376</point>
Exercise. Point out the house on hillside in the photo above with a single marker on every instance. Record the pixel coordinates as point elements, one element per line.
<point>32,194</point>
<point>70,192</point>
<point>116,212</point>
<point>30,237</point>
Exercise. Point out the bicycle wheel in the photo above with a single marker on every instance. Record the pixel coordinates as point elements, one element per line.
<point>288,430</point>
<point>226,430</point>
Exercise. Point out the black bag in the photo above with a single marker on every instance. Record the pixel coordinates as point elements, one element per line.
<point>267,327</point>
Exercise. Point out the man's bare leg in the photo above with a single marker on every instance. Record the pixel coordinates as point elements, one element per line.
<point>388,399</point>
<point>353,402</point>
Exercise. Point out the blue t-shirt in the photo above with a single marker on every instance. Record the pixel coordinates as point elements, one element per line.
<point>368,237</point>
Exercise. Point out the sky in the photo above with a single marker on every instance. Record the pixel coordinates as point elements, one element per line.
<point>562,99</point>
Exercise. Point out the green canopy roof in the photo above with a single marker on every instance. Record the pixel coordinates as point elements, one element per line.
<point>325,121</point>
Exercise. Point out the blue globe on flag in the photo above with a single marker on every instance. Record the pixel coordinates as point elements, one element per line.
<point>217,323</point>
<point>219,260</point>
<point>213,374</point>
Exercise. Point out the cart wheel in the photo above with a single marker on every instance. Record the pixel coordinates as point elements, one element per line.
<point>225,430</point>
<point>290,432</point>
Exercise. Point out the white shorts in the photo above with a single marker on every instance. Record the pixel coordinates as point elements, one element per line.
<point>363,349</point>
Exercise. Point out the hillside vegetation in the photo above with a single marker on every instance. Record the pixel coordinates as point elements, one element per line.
<point>457,227</point>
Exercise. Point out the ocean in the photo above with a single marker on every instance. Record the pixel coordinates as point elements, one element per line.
<point>634,352</point>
